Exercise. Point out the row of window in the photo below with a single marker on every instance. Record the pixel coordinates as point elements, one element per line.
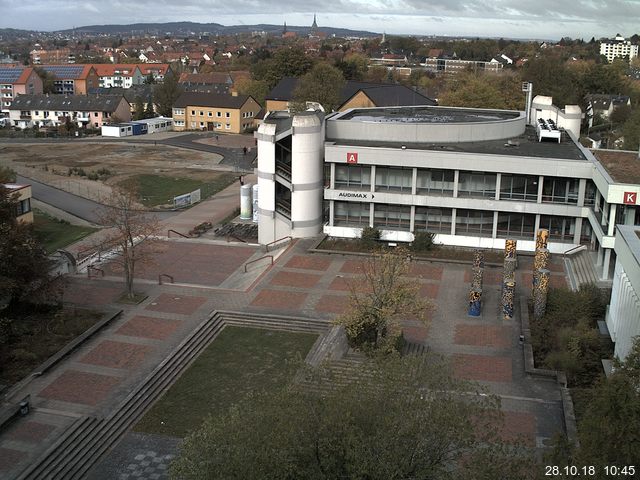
<point>475,223</point>
<point>470,184</point>
<point>202,125</point>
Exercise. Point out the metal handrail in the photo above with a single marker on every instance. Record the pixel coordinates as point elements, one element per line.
<point>254,261</point>
<point>91,267</point>
<point>231,235</point>
<point>266,247</point>
<point>571,250</point>
<point>164,275</point>
<point>175,231</point>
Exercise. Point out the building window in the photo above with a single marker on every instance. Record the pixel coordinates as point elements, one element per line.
<point>95,114</point>
<point>193,112</point>
<point>560,190</point>
<point>227,126</point>
<point>218,114</point>
<point>392,217</point>
<point>201,124</point>
<point>477,184</point>
<point>519,187</point>
<point>435,182</point>
<point>353,177</point>
<point>476,223</point>
<point>351,214</point>
<point>516,225</point>
<point>210,114</point>
<point>23,206</point>
<point>561,229</point>
<point>590,193</point>
<point>227,114</point>
<point>393,179</point>
<point>434,220</point>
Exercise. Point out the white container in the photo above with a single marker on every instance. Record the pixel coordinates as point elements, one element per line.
<point>246,208</point>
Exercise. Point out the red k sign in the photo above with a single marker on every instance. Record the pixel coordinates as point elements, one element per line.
<point>630,198</point>
<point>352,157</point>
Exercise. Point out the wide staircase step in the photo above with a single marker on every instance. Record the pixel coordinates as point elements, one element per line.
<point>582,269</point>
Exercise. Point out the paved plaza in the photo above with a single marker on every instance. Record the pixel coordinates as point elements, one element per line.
<point>101,373</point>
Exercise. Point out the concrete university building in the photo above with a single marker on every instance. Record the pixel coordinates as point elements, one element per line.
<point>472,177</point>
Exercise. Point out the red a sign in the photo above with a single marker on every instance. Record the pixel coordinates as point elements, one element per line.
<point>352,157</point>
<point>630,198</point>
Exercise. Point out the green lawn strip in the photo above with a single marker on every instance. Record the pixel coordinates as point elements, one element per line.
<point>55,234</point>
<point>239,361</point>
<point>35,336</point>
<point>157,190</point>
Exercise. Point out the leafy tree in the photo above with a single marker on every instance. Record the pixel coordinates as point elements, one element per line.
<point>323,84</point>
<point>631,131</point>
<point>258,89</point>
<point>131,232</point>
<point>150,79</point>
<point>48,80</point>
<point>148,110</point>
<point>165,94</point>
<point>138,113</point>
<point>370,236</point>
<point>286,62</point>
<point>354,67</point>
<point>379,300</point>
<point>401,418</point>
<point>552,78</point>
<point>620,114</point>
<point>470,89</point>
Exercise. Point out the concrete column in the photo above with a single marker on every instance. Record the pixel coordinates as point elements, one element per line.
<point>600,255</point>
<point>373,178</point>
<point>371,206</point>
<point>332,180</point>
<point>540,184</point>
<point>536,225</point>
<point>494,232</point>
<point>612,218</point>
<point>498,181</point>
<point>605,264</point>
<point>456,179</point>
<point>582,190</point>
<point>596,201</point>
<point>412,218</point>
<point>414,183</point>
<point>629,215</point>
<point>331,211</point>
<point>578,231</point>
<point>453,221</point>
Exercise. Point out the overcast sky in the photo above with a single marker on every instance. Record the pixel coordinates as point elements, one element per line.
<point>492,18</point>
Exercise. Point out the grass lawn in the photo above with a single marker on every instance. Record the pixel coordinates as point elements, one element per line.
<point>55,234</point>
<point>158,190</point>
<point>239,361</point>
<point>32,337</point>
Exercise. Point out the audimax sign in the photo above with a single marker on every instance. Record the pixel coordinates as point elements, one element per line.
<point>360,195</point>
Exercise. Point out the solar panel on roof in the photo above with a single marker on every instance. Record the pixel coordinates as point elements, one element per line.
<point>65,71</point>
<point>10,75</point>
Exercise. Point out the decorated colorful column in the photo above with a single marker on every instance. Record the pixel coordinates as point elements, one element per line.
<point>475,302</point>
<point>540,293</point>
<point>510,248</point>
<point>478,259</point>
<point>540,262</point>
<point>476,279</point>
<point>508,294</point>
<point>542,236</point>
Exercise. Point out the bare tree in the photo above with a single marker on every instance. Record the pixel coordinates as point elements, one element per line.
<point>380,300</point>
<point>130,231</point>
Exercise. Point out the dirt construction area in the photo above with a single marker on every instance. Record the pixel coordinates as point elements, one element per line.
<point>89,169</point>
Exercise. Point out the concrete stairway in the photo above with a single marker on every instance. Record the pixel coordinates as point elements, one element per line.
<point>581,269</point>
<point>82,445</point>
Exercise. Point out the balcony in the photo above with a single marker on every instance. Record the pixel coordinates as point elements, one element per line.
<point>283,207</point>
<point>284,169</point>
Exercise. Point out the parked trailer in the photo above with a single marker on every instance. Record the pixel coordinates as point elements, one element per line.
<point>139,128</point>
<point>118,130</point>
<point>157,124</point>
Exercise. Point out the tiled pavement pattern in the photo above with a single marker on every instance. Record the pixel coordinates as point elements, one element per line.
<point>104,370</point>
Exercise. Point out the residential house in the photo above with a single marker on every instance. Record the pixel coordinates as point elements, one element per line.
<point>214,112</point>
<point>72,79</point>
<point>118,75</point>
<point>158,70</point>
<point>603,105</point>
<point>90,111</point>
<point>448,62</point>
<point>56,56</point>
<point>23,201</point>
<point>17,81</point>
<point>353,95</point>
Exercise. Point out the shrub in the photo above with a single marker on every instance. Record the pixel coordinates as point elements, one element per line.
<point>93,176</point>
<point>370,236</point>
<point>422,242</point>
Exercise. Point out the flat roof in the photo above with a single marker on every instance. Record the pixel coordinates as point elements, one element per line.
<point>525,145</point>
<point>427,114</point>
<point>623,166</point>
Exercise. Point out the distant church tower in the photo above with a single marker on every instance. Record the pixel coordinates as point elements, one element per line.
<point>314,25</point>
<point>384,38</point>
<point>284,30</point>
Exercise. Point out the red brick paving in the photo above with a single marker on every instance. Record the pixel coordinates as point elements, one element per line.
<point>333,304</point>
<point>429,290</point>
<point>9,458</point>
<point>519,426</point>
<point>148,327</point>
<point>426,270</point>
<point>309,263</point>
<point>295,279</point>
<point>352,266</point>
<point>116,354</point>
<point>176,303</point>
<point>482,368</point>
<point>80,387</point>
<point>483,336</point>
<point>490,277</point>
<point>202,264</point>
<point>415,334</point>
<point>92,292</point>
<point>30,431</point>
<point>279,299</point>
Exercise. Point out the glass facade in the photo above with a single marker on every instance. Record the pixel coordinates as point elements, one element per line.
<point>519,187</point>
<point>476,223</point>
<point>393,179</point>
<point>392,217</point>
<point>516,225</point>
<point>434,220</point>
<point>351,214</point>
<point>435,182</point>
<point>477,184</point>
<point>560,190</point>
<point>353,177</point>
<point>561,229</point>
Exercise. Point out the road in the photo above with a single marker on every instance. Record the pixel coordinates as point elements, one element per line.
<point>78,206</point>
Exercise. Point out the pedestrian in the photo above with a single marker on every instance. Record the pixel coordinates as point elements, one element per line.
<point>216,138</point>
<point>241,180</point>
<point>244,150</point>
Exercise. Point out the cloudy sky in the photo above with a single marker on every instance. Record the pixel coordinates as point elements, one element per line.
<point>508,18</point>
